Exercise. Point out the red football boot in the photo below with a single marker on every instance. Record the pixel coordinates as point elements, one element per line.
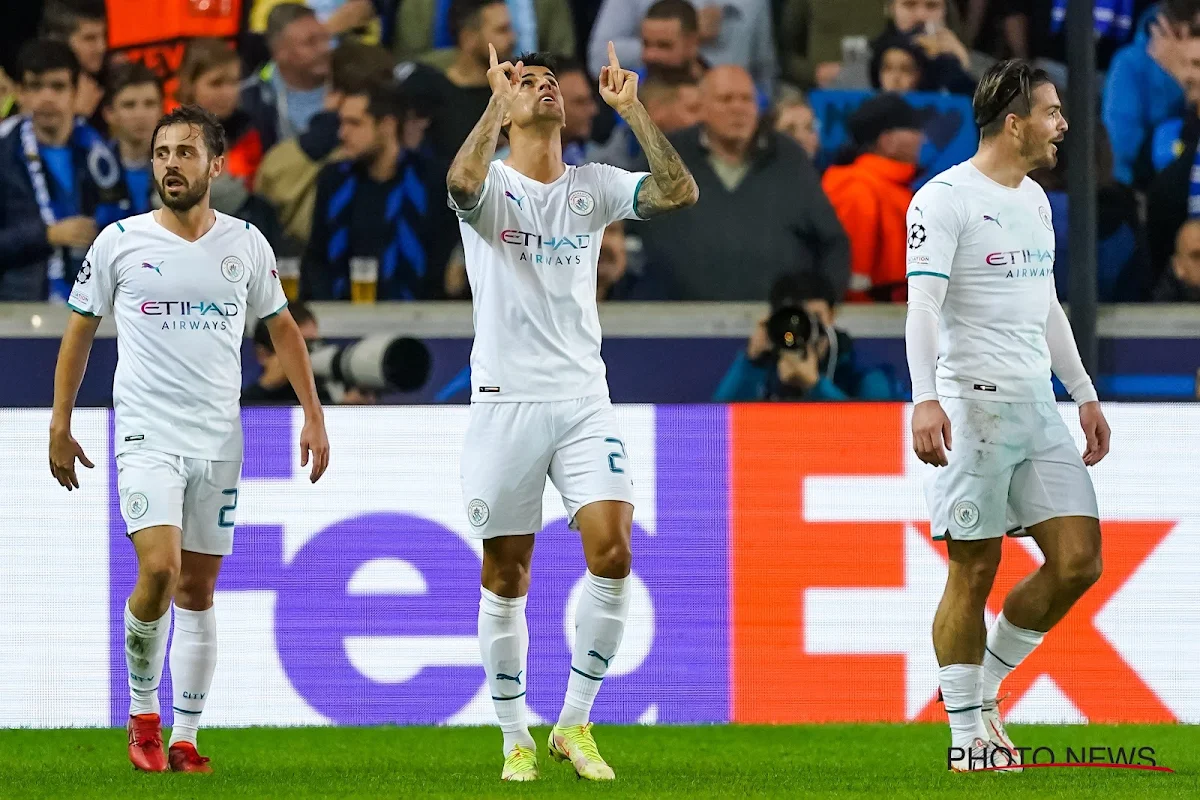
<point>145,743</point>
<point>184,758</point>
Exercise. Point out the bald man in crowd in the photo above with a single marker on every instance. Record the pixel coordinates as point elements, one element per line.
<point>761,211</point>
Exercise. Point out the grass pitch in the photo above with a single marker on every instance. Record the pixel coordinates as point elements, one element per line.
<point>898,761</point>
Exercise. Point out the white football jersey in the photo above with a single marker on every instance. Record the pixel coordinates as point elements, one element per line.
<point>995,247</point>
<point>180,310</point>
<point>531,251</point>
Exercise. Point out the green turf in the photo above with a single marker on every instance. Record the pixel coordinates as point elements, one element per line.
<point>722,761</point>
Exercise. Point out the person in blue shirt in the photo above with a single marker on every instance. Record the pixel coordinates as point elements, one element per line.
<point>59,181</point>
<point>819,365</point>
<point>132,105</point>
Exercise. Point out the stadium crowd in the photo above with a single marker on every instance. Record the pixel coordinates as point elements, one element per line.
<point>343,115</point>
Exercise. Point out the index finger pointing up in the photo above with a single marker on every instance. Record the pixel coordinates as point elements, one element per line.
<point>492,55</point>
<point>613,63</point>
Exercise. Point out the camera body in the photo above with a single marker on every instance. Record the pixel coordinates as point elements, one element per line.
<point>792,328</point>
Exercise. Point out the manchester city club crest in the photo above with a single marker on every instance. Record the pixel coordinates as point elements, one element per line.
<point>581,202</point>
<point>1044,213</point>
<point>233,269</point>
<point>477,512</point>
<point>966,514</point>
<point>137,506</point>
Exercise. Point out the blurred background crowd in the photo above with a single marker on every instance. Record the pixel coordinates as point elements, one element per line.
<point>807,123</point>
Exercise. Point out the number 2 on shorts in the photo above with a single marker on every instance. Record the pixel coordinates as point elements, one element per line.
<point>221,520</point>
<point>612,464</point>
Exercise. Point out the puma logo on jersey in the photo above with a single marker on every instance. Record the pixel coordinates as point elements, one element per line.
<point>996,220</point>
<point>515,199</point>
<point>148,265</point>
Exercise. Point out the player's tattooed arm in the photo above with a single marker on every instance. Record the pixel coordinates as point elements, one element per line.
<point>470,167</point>
<point>671,185</point>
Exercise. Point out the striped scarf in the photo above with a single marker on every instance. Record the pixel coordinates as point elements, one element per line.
<point>1113,18</point>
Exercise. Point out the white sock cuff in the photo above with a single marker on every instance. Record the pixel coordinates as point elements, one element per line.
<point>1003,626</point>
<point>143,628</point>
<point>497,606</point>
<point>961,687</point>
<point>611,591</point>
<point>195,621</point>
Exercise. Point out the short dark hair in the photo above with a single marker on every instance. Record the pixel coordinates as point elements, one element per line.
<point>681,10</point>
<point>1006,88</point>
<point>61,18</point>
<point>1181,10</point>
<point>466,14</point>
<point>40,56</point>
<point>796,288</point>
<point>197,117</point>
<point>539,59</point>
<point>354,67</point>
<point>565,64</point>
<point>130,73</point>
<point>301,313</point>
<point>282,16</point>
<point>386,99</point>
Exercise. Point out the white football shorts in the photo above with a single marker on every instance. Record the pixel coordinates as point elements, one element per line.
<point>1013,465</point>
<point>510,448</point>
<point>197,496</point>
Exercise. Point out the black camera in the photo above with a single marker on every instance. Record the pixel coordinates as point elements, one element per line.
<point>792,328</point>
<point>381,362</point>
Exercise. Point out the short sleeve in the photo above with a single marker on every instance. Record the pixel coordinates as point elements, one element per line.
<point>491,185</point>
<point>265,297</point>
<point>935,222</point>
<point>95,283</point>
<point>619,190</point>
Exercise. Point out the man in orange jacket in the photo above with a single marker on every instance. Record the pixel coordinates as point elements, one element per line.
<point>870,189</point>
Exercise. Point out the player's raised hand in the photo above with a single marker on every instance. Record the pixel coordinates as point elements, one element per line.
<point>63,452</point>
<point>930,430</point>
<point>314,441</point>
<point>1096,430</point>
<point>618,86</point>
<point>504,78</point>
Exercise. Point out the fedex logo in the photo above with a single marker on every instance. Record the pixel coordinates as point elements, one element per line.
<point>187,308</point>
<point>579,241</point>
<point>1014,257</point>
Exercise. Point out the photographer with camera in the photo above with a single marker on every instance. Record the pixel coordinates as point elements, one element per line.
<point>272,387</point>
<point>796,353</point>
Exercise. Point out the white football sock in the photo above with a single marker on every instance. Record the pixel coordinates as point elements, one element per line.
<point>960,684</point>
<point>504,645</point>
<point>599,626</point>
<point>145,647</point>
<point>1007,647</point>
<point>193,659</point>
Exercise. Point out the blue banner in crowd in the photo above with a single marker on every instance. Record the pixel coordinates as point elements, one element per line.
<point>950,133</point>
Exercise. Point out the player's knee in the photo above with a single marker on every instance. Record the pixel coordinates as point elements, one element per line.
<point>194,594</point>
<point>979,575</point>
<point>507,579</point>
<point>1079,573</point>
<point>160,572</point>
<point>615,560</point>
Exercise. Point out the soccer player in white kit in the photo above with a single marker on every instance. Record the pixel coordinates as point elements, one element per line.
<point>984,331</point>
<point>179,282</point>
<point>531,229</point>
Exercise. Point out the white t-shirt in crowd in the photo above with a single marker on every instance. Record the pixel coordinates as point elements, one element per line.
<point>531,251</point>
<point>180,310</point>
<point>995,247</point>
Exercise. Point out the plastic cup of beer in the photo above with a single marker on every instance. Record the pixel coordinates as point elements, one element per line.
<point>364,276</point>
<point>289,276</point>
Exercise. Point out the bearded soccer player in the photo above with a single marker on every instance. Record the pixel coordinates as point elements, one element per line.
<point>984,332</point>
<point>531,228</point>
<point>179,282</point>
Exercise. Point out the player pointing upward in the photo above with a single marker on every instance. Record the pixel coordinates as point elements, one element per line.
<point>531,229</point>
<point>179,282</point>
<point>984,331</point>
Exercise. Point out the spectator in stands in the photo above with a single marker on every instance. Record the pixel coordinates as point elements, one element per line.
<point>870,188</point>
<point>761,205</point>
<point>671,98</point>
<point>83,26</point>
<point>816,363</point>
<point>356,18</point>
<point>620,273</point>
<point>795,118</point>
<point>132,105</point>
<point>423,26</point>
<point>1145,83</point>
<point>667,33</point>
<point>383,204</point>
<point>272,388</point>
<point>461,94</point>
<point>1181,283</point>
<point>285,95</point>
<point>1172,198</point>
<point>579,105</point>
<point>1123,273</point>
<point>208,77</point>
<point>287,176</point>
<point>59,181</point>
<point>900,64</point>
<point>1171,138</point>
